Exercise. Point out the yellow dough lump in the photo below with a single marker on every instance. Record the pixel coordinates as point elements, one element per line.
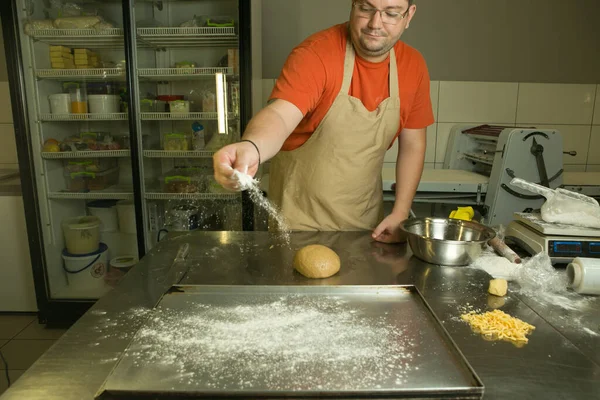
<point>498,287</point>
<point>316,261</point>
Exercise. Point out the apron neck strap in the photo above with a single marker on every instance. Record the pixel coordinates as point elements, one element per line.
<point>349,70</point>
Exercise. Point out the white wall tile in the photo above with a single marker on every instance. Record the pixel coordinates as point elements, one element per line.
<point>597,109</point>
<point>479,102</point>
<point>392,153</point>
<point>594,151</point>
<point>574,167</point>
<point>439,165</point>
<point>429,166</point>
<point>575,137</point>
<point>5,109</point>
<point>8,147</point>
<point>541,103</point>
<point>435,97</point>
<point>593,168</point>
<point>443,134</point>
<point>267,88</point>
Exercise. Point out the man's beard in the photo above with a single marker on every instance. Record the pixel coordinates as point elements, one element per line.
<point>372,49</point>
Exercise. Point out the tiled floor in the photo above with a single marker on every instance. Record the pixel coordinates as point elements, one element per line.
<point>22,341</point>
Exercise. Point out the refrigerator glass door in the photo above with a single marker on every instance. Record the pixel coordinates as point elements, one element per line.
<point>78,113</point>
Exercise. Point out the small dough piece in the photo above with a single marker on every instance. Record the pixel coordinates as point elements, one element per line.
<point>498,287</point>
<point>317,261</point>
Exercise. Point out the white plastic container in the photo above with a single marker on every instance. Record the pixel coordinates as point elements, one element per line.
<point>86,272</point>
<point>60,103</point>
<point>82,234</point>
<point>584,275</point>
<point>179,107</point>
<point>106,210</point>
<point>126,213</point>
<point>103,103</point>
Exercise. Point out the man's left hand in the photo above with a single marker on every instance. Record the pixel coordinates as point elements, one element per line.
<point>388,231</point>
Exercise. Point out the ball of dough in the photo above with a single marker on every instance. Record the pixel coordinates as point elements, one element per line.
<point>316,261</point>
<point>498,287</point>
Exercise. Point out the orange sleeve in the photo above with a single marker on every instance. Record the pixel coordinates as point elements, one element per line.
<point>302,80</point>
<point>421,113</point>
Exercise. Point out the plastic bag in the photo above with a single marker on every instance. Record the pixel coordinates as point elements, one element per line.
<point>563,206</point>
<point>77,22</point>
<point>37,24</point>
<point>196,22</point>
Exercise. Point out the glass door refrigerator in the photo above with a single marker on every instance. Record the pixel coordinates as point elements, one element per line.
<point>119,107</point>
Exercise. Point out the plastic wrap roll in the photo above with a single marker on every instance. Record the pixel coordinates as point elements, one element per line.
<point>584,275</point>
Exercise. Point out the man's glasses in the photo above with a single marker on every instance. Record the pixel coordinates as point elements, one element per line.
<point>387,17</point>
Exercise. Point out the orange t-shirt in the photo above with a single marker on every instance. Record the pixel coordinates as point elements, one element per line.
<point>312,78</point>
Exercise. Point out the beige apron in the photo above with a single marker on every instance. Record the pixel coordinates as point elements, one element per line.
<point>333,181</point>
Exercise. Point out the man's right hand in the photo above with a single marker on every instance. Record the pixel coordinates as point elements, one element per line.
<point>240,156</point>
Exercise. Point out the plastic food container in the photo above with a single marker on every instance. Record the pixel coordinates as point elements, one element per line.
<point>185,67</point>
<point>126,213</point>
<point>60,103</point>
<point>148,105</point>
<point>84,181</point>
<point>183,180</point>
<point>176,142</point>
<point>119,266</point>
<point>166,99</point>
<point>90,165</point>
<point>179,107</point>
<point>82,234</point>
<point>86,272</point>
<point>106,211</point>
<point>79,104</point>
<point>104,103</point>
<point>215,187</point>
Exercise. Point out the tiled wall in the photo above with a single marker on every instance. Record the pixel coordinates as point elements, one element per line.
<point>8,148</point>
<point>574,110</point>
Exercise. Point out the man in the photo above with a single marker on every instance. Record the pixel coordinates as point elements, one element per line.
<point>344,95</point>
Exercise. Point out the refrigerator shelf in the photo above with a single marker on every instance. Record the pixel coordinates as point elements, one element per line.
<point>88,38</point>
<point>172,74</point>
<point>87,74</point>
<point>85,154</point>
<point>193,196</point>
<point>111,193</point>
<point>205,116</point>
<point>177,154</point>
<point>188,37</point>
<point>83,117</point>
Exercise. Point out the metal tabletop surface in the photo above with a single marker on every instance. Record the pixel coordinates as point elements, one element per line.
<point>553,365</point>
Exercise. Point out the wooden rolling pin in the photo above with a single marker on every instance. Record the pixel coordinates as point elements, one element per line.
<point>502,249</point>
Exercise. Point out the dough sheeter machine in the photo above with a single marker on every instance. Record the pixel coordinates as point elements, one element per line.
<point>481,161</point>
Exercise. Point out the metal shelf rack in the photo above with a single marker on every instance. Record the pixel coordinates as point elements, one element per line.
<point>83,117</point>
<point>188,37</point>
<point>96,74</point>
<point>111,193</point>
<point>85,154</point>
<point>160,116</point>
<point>172,74</point>
<point>88,38</point>
<point>193,196</point>
<point>177,154</point>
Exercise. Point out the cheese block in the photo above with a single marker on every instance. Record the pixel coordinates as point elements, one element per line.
<point>61,60</point>
<point>60,49</point>
<point>82,52</point>
<point>61,54</point>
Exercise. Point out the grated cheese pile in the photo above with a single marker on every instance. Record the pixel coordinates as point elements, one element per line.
<point>497,325</point>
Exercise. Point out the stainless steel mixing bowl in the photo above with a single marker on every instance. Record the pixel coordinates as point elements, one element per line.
<point>446,241</point>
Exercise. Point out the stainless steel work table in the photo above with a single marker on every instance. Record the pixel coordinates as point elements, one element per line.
<point>550,366</point>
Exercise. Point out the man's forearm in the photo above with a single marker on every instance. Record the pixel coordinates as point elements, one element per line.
<point>409,167</point>
<point>272,126</point>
